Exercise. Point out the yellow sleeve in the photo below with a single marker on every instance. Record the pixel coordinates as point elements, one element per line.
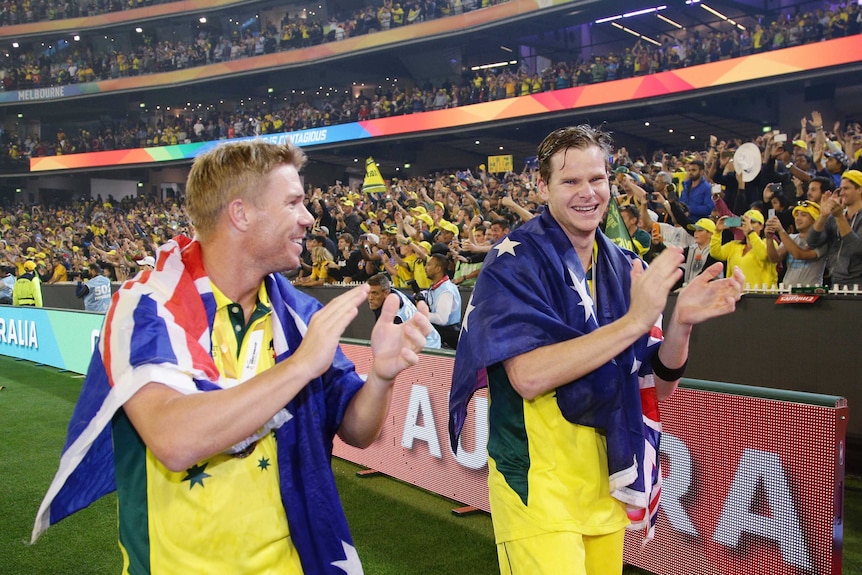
<point>716,249</point>
<point>758,246</point>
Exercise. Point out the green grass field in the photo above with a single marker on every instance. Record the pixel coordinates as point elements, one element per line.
<point>398,529</point>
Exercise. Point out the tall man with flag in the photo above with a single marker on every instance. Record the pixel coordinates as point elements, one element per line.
<point>565,329</point>
<point>216,390</point>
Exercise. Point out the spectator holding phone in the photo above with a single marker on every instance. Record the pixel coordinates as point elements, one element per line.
<point>804,265</point>
<point>696,257</point>
<point>774,172</point>
<point>750,254</point>
<point>780,207</point>
<point>368,250</point>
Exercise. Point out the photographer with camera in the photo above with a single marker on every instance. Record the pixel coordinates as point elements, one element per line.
<point>96,291</point>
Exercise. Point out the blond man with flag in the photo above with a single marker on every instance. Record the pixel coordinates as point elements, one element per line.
<point>212,400</point>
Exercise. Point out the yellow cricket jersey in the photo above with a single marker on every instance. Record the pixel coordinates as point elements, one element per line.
<point>545,473</point>
<point>224,514</point>
<point>754,263</point>
<point>420,276</point>
<point>406,270</point>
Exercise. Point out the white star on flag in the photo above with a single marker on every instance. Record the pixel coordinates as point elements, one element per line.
<point>470,308</point>
<point>350,564</point>
<point>586,302</point>
<point>636,365</point>
<point>507,246</point>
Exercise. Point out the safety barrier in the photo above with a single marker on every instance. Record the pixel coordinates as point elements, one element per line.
<point>753,477</point>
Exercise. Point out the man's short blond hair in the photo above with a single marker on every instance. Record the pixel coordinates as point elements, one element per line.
<point>231,171</point>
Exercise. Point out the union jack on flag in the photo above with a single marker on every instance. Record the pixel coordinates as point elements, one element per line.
<point>159,328</point>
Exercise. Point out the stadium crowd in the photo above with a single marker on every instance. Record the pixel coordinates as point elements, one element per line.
<point>34,67</point>
<point>779,186</point>
<point>284,113</point>
<point>14,12</point>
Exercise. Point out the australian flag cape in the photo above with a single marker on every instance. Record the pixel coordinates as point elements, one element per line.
<point>533,292</point>
<point>159,328</point>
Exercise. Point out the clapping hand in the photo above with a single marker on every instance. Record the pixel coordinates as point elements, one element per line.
<point>396,346</point>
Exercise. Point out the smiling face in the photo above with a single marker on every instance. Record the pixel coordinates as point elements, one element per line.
<point>496,232</point>
<point>803,221</point>
<point>279,220</point>
<point>577,191</point>
<point>850,193</point>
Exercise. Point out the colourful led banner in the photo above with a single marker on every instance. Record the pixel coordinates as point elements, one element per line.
<point>755,67</point>
<point>303,138</point>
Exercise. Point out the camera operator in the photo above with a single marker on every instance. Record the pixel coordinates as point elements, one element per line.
<point>96,291</point>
